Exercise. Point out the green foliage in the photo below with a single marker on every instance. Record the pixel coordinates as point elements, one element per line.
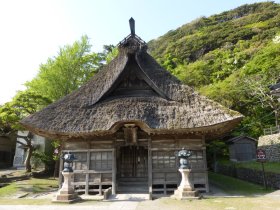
<point>265,62</point>
<point>109,53</point>
<point>41,159</point>
<point>72,67</point>
<point>23,104</point>
<point>60,75</point>
<point>229,57</point>
<point>216,150</point>
<point>56,144</point>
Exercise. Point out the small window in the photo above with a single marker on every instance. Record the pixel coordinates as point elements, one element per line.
<point>101,160</point>
<point>163,159</point>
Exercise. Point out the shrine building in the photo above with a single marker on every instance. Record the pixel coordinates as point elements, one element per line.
<point>126,125</point>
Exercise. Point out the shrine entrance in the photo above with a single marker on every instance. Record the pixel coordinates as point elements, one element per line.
<point>132,169</point>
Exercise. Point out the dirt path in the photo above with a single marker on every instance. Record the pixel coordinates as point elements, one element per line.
<point>218,203</point>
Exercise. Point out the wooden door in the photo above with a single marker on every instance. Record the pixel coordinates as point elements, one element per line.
<point>132,162</point>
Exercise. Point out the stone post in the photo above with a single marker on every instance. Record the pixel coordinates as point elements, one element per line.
<point>67,193</point>
<point>186,189</point>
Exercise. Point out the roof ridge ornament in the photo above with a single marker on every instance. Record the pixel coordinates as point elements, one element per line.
<point>132,26</point>
<point>132,42</point>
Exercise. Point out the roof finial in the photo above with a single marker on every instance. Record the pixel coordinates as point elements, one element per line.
<point>132,26</point>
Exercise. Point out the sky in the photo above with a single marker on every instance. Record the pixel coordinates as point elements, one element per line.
<point>31,31</point>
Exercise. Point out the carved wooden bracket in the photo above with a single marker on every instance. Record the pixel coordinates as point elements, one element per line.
<point>130,134</point>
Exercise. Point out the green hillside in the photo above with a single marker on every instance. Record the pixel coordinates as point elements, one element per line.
<point>230,57</point>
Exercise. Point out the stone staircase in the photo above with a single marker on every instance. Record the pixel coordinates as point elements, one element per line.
<point>133,185</point>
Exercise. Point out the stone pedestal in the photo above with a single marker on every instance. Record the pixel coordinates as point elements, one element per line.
<point>186,189</point>
<point>67,194</point>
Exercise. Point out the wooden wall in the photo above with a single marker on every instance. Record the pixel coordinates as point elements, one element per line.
<point>165,163</point>
<point>95,168</point>
<point>243,150</point>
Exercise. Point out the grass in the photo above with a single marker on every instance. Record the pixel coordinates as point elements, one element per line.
<point>273,167</point>
<point>8,190</point>
<point>227,184</point>
<point>268,167</point>
<point>236,186</point>
<point>42,185</point>
<point>13,173</point>
<point>31,186</point>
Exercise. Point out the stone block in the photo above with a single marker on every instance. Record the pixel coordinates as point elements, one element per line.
<point>186,195</point>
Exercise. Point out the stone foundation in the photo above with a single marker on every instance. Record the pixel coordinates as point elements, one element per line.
<point>271,145</point>
<point>186,194</point>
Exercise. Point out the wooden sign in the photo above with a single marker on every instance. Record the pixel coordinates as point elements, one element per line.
<point>261,156</point>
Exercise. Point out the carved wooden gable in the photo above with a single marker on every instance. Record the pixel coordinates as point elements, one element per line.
<point>132,82</point>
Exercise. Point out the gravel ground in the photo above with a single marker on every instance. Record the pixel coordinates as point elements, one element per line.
<point>216,200</point>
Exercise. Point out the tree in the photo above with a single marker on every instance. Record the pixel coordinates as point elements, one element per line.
<point>30,149</point>
<point>24,103</point>
<point>59,76</point>
<point>56,156</point>
<point>73,66</point>
<point>259,88</point>
<point>216,150</point>
<point>109,53</point>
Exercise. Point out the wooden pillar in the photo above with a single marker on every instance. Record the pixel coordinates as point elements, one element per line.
<point>114,171</point>
<point>205,164</point>
<point>164,185</point>
<point>60,166</point>
<point>87,174</point>
<point>100,184</point>
<point>60,175</point>
<point>150,168</point>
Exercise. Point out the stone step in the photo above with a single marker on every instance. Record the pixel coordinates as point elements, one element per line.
<point>133,188</point>
<point>130,197</point>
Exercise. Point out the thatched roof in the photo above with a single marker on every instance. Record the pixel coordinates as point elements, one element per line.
<point>168,106</point>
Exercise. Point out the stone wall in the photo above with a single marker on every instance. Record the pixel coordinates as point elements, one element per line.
<point>250,175</point>
<point>271,145</point>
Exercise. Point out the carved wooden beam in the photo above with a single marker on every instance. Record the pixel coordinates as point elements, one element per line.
<point>130,134</point>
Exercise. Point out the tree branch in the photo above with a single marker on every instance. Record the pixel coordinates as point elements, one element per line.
<point>21,143</point>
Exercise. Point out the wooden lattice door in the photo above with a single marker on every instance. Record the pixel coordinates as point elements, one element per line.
<point>133,162</point>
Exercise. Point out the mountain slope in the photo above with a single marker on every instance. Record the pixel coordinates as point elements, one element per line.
<point>226,57</point>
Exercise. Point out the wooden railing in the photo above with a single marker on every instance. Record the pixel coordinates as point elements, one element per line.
<point>271,130</point>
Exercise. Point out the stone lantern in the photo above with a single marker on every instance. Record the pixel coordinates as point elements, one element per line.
<point>186,188</point>
<point>68,162</point>
<point>184,155</point>
<point>67,193</point>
